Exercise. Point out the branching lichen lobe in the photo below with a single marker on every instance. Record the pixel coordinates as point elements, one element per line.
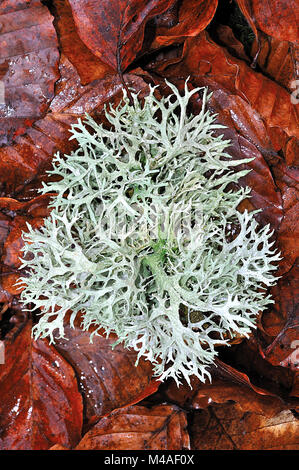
<point>138,240</point>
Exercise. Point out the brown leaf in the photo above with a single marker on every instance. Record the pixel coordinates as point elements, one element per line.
<point>36,207</point>
<point>162,427</point>
<point>277,59</point>
<point>4,229</point>
<point>246,8</point>
<point>23,165</point>
<point>227,38</point>
<point>28,65</point>
<point>228,427</point>
<point>248,359</point>
<point>40,404</point>
<point>204,58</point>
<point>194,16</point>
<point>32,212</point>
<point>281,322</point>
<point>108,379</point>
<point>248,139</point>
<point>114,30</point>
<point>228,384</point>
<point>278,18</point>
<point>286,179</point>
<point>14,242</point>
<point>88,66</point>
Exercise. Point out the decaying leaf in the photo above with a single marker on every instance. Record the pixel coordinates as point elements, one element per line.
<point>23,165</point>
<point>162,427</point>
<point>193,17</point>
<point>278,18</point>
<point>28,65</point>
<point>88,66</point>
<point>115,31</point>
<point>203,57</point>
<point>108,379</point>
<point>228,427</point>
<point>40,404</point>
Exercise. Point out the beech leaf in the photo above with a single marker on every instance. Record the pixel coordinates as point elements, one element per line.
<point>40,404</point>
<point>114,30</point>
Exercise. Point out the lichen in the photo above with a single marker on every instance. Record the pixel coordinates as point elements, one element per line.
<point>144,238</point>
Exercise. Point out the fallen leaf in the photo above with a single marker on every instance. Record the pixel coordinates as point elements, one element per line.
<point>228,427</point>
<point>227,384</point>
<point>162,427</point>
<point>23,165</point>
<point>28,66</point>
<point>281,322</point>
<point>204,58</point>
<point>248,359</point>
<point>194,16</point>
<point>108,378</point>
<point>278,18</point>
<point>227,38</point>
<point>286,179</point>
<point>115,31</point>
<point>88,66</point>
<point>40,404</point>
<point>277,59</point>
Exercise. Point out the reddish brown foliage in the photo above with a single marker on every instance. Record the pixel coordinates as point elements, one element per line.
<point>70,57</point>
<point>28,65</point>
<point>163,427</point>
<point>278,19</point>
<point>102,372</point>
<point>40,401</point>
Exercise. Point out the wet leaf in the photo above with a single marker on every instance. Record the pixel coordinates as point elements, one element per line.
<point>88,66</point>
<point>278,18</point>
<point>228,427</point>
<point>194,16</point>
<point>102,372</point>
<point>115,31</point>
<point>28,65</point>
<point>162,427</point>
<point>40,404</point>
<point>204,58</point>
<point>24,164</point>
<point>228,384</point>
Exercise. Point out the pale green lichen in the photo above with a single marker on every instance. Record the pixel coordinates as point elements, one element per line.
<point>145,239</point>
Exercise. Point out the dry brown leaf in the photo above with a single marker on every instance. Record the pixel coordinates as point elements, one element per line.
<point>114,29</point>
